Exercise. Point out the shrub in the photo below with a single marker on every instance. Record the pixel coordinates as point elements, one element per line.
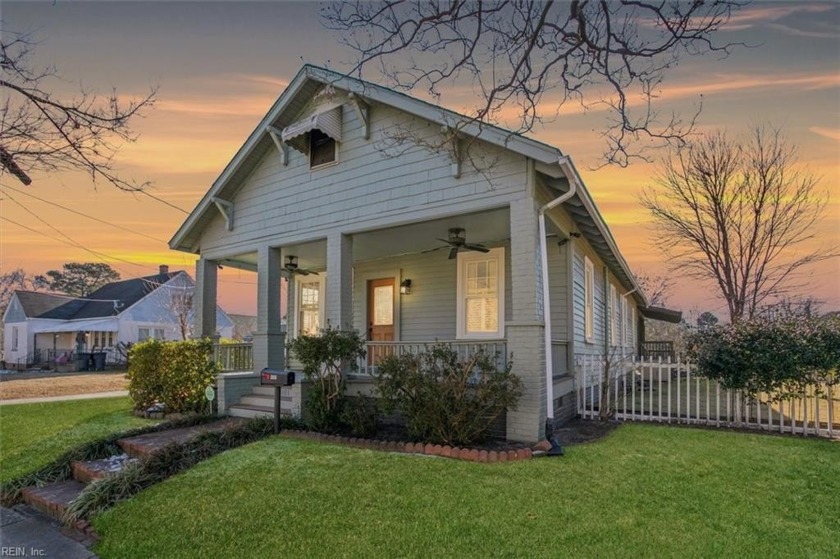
<point>361,415</point>
<point>781,355</point>
<point>325,357</point>
<point>171,373</point>
<point>445,399</point>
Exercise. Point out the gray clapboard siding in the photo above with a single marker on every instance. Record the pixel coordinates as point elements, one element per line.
<point>366,183</point>
<point>428,313</point>
<point>558,281</point>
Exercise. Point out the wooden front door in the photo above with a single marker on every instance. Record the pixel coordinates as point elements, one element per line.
<point>380,317</point>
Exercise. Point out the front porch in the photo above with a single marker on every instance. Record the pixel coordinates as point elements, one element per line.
<point>406,288</point>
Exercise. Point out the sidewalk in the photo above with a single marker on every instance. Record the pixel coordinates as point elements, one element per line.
<point>25,532</point>
<point>113,394</point>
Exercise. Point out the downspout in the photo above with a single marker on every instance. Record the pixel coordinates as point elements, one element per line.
<point>564,162</point>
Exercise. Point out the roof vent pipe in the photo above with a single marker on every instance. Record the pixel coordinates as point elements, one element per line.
<point>566,163</point>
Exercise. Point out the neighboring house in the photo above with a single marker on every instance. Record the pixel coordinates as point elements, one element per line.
<point>342,177</point>
<point>47,327</point>
<point>244,326</point>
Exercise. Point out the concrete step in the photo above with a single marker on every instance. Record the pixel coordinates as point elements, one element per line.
<point>258,400</point>
<point>268,392</point>
<point>87,471</point>
<point>146,445</point>
<point>54,498</point>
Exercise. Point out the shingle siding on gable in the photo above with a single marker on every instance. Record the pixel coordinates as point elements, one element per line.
<point>368,183</point>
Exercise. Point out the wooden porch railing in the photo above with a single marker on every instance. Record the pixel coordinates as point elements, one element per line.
<point>234,357</point>
<point>376,351</point>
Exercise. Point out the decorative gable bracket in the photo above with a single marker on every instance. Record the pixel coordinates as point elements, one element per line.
<point>363,112</point>
<point>277,136</point>
<point>226,209</point>
<point>452,143</point>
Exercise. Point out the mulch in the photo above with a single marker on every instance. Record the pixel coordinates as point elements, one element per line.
<point>581,431</point>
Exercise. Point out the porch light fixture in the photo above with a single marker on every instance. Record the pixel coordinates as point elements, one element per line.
<point>405,287</point>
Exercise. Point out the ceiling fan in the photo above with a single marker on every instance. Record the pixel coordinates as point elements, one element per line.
<point>292,268</point>
<point>457,241</point>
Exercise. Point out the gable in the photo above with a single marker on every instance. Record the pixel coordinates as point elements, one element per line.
<point>14,312</point>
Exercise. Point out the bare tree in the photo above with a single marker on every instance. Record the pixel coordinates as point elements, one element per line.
<point>40,131</point>
<point>604,54</point>
<point>656,288</point>
<point>180,305</point>
<point>737,212</point>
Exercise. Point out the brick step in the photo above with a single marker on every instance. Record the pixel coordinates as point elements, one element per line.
<point>53,499</point>
<point>146,445</point>
<point>90,470</point>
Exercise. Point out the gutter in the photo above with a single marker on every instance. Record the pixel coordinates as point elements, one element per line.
<point>566,164</point>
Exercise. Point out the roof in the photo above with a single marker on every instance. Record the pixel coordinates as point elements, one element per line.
<point>282,114</point>
<point>661,313</point>
<point>108,300</point>
<point>306,84</point>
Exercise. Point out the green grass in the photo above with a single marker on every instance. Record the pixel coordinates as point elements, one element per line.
<point>644,491</point>
<point>32,435</point>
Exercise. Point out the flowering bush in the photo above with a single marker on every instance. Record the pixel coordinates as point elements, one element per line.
<point>779,355</point>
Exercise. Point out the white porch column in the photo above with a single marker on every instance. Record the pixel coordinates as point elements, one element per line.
<point>268,340</point>
<point>525,332</point>
<point>204,297</point>
<point>339,300</point>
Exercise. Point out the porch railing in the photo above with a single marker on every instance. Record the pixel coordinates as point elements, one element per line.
<point>377,351</point>
<point>234,357</point>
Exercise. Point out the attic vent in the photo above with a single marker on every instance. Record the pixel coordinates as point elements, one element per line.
<point>164,269</point>
<point>327,122</point>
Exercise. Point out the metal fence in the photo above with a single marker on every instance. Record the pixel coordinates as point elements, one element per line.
<point>672,392</point>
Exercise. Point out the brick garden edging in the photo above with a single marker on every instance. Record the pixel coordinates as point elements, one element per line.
<point>444,451</point>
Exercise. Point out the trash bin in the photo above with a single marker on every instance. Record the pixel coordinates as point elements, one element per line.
<point>83,361</point>
<point>99,360</point>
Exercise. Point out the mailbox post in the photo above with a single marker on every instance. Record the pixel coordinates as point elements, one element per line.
<point>278,379</point>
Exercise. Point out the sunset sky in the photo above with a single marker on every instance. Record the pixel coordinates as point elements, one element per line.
<point>219,66</point>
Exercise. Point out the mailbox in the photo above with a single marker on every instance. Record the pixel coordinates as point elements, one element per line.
<point>275,377</point>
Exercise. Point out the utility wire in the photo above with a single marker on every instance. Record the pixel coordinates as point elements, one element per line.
<point>71,240</point>
<point>85,215</point>
<point>162,201</point>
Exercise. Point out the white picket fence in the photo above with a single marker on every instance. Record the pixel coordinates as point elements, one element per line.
<point>672,392</point>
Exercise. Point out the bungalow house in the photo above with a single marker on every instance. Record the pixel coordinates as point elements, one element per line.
<point>46,328</point>
<point>421,226</point>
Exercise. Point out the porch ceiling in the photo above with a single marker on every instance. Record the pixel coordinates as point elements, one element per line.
<point>490,228</point>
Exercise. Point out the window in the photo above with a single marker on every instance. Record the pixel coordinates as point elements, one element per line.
<point>310,304</point>
<point>614,320</point>
<point>625,332</point>
<point>588,299</point>
<point>481,294</point>
<point>144,334</point>
<point>633,341</point>
<point>14,338</point>
<point>322,148</point>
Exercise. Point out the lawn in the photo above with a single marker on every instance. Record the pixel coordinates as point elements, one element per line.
<point>643,491</point>
<point>31,435</point>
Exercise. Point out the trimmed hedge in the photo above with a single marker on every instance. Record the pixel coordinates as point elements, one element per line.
<point>174,374</point>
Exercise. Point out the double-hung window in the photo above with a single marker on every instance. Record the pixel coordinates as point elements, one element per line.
<point>614,319</point>
<point>588,300</point>
<point>481,294</point>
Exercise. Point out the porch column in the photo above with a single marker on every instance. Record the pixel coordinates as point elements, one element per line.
<point>204,297</point>
<point>525,332</point>
<point>339,300</point>
<point>268,340</point>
